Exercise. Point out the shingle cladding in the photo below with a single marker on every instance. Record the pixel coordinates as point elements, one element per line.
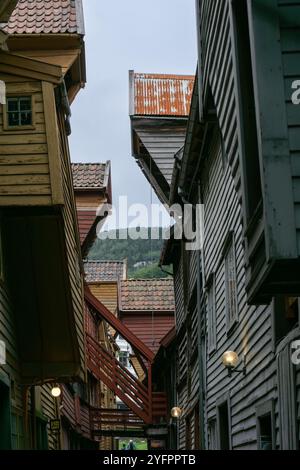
<point>46,17</point>
<point>89,175</point>
<point>101,271</point>
<point>147,295</point>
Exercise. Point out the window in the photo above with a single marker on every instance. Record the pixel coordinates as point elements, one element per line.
<point>212,434</point>
<point>41,434</point>
<point>123,358</point>
<point>265,431</point>
<point>5,421</point>
<point>247,112</point>
<point>230,285</point>
<point>19,111</point>
<point>211,315</point>
<point>285,316</point>
<point>224,431</point>
<point>188,434</point>
<point>17,432</point>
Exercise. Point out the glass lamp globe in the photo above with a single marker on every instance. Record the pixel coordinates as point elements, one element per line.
<point>230,359</point>
<point>176,412</point>
<point>56,391</point>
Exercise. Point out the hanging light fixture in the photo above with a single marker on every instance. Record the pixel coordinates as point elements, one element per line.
<point>230,360</point>
<point>56,391</point>
<point>176,412</point>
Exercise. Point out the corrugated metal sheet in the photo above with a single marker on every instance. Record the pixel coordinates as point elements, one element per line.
<point>162,95</point>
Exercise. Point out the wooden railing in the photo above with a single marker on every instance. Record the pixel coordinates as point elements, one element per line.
<point>115,420</point>
<point>115,376</point>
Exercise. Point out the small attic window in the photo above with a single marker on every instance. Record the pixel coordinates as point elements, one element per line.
<point>19,111</point>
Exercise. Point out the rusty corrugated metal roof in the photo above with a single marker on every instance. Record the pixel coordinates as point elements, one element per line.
<point>46,17</point>
<point>161,95</point>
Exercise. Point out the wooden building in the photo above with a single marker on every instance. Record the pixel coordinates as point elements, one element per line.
<point>172,109</point>
<point>40,249</point>
<point>103,277</point>
<point>92,186</point>
<point>146,307</point>
<point>159,107</point>
<point>240,148</point>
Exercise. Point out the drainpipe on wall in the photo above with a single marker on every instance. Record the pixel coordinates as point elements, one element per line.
<point>201,359</point>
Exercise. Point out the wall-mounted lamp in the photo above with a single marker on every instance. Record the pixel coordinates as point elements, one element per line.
<point>176,412</point>
<point>230,360</point>
<point>56,391</point>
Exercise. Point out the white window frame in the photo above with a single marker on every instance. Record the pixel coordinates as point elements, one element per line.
<point>231,307</point>
<point>211,315</point>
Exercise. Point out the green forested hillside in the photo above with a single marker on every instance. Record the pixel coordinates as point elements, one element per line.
<point>143,251</point>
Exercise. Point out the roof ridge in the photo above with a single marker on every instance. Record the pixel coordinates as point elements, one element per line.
<point>89,163</point>
<point>164,76</point>
<point>102,261</point>
<point>148,279</point>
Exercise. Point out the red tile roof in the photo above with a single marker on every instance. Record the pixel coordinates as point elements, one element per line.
<point>147,295</point>
<point>99,271</point>
<point>46,17</point>
<point>161,95</point>
<point>90,175</point>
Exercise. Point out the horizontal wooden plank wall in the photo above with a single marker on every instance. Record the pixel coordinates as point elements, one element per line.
<point>11,370</point>
<point>24,166</point>
<point>72,242</point>
<point>290,46</point>
<point>107,293</point>
<point>185,277</point>
<point>220,185</point>
<point>162,144</point>
<point>49,411</point>
<point>150,329</point>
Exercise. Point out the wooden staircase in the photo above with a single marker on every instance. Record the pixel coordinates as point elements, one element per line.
<point>147,406</point>
<point>116,377</point>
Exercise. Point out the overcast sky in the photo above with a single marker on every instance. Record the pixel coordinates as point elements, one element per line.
<point>155,36</point>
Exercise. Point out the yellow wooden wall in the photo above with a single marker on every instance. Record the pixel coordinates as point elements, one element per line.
<point>107,293</point>
<point>24,170</point>
<point>73,250</point>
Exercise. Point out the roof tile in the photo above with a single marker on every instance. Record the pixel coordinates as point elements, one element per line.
<point>147,295</point>
<point>89,175</point>
<point>99,271</point>
<point>44,17</point>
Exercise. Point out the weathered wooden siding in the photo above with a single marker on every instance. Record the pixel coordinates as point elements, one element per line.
<point>221,185</point>
<point>24,163</point>
<point>150,329</point>
<point>162,144</point>
<point>253,333</point>
<point>88,206</point>
<point>107,293</point>
<point>187,344</point>
<point>49,410</point>
<point>11,370</point>
<point>179,292</point>
<point>72,242</point>
<point>290,47</point>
